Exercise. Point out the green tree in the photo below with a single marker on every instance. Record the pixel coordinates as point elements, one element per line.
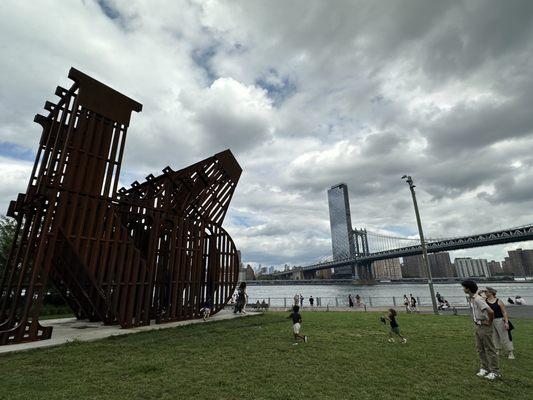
<point>7,233</point>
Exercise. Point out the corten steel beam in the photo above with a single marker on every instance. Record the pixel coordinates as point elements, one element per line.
<point>156,251</point>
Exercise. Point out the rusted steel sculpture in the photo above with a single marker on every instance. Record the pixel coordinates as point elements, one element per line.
<point>156,251</point>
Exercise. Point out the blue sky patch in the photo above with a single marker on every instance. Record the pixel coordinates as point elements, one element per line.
<point>108,9</point>
<point>279,88</point>
<point>240,220</point>
<point>202,57</point>
<point>18,152</point>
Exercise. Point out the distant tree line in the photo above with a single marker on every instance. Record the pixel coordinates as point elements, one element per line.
<point>54,303</point>
<point>7,233</point>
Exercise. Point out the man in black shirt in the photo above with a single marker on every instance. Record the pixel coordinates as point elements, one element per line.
<point>296,325</point>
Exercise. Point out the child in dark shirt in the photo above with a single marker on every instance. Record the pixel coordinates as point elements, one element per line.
<point>394,327</point>
<point>205,311</point>
<point>296,325</point>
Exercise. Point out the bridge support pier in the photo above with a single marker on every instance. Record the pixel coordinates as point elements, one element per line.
<point>297,275</point>
<point>309,275</point>
<point>363,272</point>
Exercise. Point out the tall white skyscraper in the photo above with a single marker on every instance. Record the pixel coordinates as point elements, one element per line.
<point>341,226</point>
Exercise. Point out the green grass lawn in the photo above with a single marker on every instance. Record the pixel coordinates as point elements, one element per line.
<point>347,357</point>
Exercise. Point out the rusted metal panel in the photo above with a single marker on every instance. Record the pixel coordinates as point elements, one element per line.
<point>156,251</point>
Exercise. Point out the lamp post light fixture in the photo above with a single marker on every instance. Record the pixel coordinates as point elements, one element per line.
<point>412,186</point>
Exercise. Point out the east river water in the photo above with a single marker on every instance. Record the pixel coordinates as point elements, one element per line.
<point>379,295</point>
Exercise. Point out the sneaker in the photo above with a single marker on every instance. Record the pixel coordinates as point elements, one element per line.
<point>295,344</point>
<point>510,356</point>
<point>391,340</point>
<point>482,372</point>
<point>493,375</point>
<point>306,339</point>
<point>404,340</point>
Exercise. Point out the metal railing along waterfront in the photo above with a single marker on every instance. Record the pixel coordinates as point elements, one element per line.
<point>368,301</point>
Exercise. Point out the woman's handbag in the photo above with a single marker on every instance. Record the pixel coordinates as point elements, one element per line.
<point>511,327</point>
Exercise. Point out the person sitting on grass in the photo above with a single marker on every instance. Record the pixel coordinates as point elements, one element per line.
<point>296,325</point>
<point>394,327</point>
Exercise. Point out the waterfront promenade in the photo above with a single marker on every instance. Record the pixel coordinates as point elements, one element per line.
<point>514,311</point>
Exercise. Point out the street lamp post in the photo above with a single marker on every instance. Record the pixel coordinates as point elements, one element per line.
<point>412,186</point>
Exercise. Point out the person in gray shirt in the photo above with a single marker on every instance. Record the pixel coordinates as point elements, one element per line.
<point>483,316</point>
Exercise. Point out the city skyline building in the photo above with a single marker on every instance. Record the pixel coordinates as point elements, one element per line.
<point>341,226</point>
<point>440,264</point>
<point>521,262</point>
<point>413,267</point>
<point>323,274</point>
<point>242,270</point>
<point>495,267</point>
<point>466,267</point>
<point>249,273</point>
<point>387,269</point>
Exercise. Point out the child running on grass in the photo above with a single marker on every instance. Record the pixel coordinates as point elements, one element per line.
<point>296,325</point>
<point>394,327</point>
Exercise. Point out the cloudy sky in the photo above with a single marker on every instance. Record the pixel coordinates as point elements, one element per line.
<point>306,94</point>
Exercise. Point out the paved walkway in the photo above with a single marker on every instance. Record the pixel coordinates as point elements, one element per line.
<point>70,329</point>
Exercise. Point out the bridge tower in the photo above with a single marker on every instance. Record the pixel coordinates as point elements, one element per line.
<point>362,271</point>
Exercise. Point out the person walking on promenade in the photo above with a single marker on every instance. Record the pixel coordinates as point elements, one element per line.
<point>500,323</point>
<point>394,327</point>
<point>296,299</point>
<point>301,300</point>
<point>311,300</point>
<point>296,325</point>
<point>350,300</point>
<point>412,303</point>
<point>242,298</point>
<point>483,316</point>
<point>358,300</point>
<point>406,303</point>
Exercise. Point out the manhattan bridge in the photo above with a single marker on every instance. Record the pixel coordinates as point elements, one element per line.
<point>356,248</point>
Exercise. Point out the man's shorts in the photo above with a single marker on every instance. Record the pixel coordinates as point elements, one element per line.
<point>296,328</point>
<point>396,330</point>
